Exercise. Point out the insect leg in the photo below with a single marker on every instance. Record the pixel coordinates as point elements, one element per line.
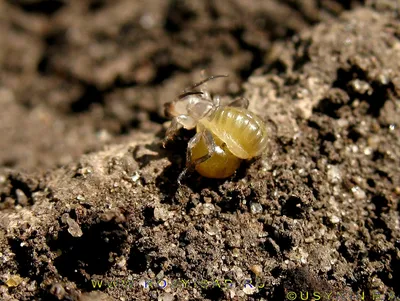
<point>241,102</point>
<point>171,131</point>
<point>216,101</point>
<point>192,142</point>
<point>177,123</point>
<point>211,148</point>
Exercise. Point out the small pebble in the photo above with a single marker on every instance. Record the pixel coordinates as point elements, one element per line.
<point>334,175</point>
<point>256,208</point>
<point>335,219</point>
<point>3,179</point>
<point>166,297</point>
<point>161,214</point>
<point>358,193</point>
<point>135,177</point>
<point>256,269</point>
<point>21,197</point>
<point>58,291</point>
<point>14,281</point>
<point>73,227</point>
<point>207,208</point>
<point>121,262</point>
<point>361,86</point>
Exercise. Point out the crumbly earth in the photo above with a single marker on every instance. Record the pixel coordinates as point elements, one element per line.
<point>89,204</point>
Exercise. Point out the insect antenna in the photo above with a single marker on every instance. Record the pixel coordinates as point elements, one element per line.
<point>205,80</point>
<point>183,95</point>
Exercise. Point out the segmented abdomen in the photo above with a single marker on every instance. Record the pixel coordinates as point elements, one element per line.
<point>243,132</point>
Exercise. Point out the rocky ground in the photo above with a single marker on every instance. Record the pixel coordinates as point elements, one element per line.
<point>89,204</point>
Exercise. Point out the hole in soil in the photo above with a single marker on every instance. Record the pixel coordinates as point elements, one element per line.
<point>353,134</point>
<point>381,204</point>
<point>380,92</point>
<point>157,264</point>
<point>10,163</point>
<point>177,16</point>
<point>163,72</point>
<point>213,293</point>
<point>395,267</point>
<point>371,183</point>
<point>381,207</point>
<point>53,40</point>
<point>156,118</point>
<point>305,56</point>
<point>137,261</point>
<point>271,247</point>
<point>183,240</point>
<point>281,238</point>
<point>377,155</point>
<point>276,67</point>
<point>46,7</point>
<point>90,96</point>
<point>43,65</point>
<point>230,202</point>
<point>19,191</point>
<point>276,272</point>
<point>256,53</point>
<point>96,5</point>
<point>333,102</point>
<point>127,127</point>
<point>136,123</point>
<point>44,294</point>
<point>292,207</point>
<point>24,259</point>
<point>148,217</point>
<point>344,77</point>
<point>328,107</point>
<point>329,137</point>
<point>88,254</point>
<point>18,184</point>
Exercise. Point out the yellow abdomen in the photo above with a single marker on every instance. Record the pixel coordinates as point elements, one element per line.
<point>243,132</point>
<point>222,163</point>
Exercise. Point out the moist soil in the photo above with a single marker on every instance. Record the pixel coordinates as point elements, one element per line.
<point>90,207</point>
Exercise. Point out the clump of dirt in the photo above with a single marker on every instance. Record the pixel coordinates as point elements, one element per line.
<point>89,204</point>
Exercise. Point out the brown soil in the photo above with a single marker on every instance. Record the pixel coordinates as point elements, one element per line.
<point>88,194</point>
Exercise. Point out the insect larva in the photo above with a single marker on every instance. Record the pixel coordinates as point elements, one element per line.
<point>225,134</point>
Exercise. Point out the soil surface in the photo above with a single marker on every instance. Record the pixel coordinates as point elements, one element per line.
<point>90,207</point>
